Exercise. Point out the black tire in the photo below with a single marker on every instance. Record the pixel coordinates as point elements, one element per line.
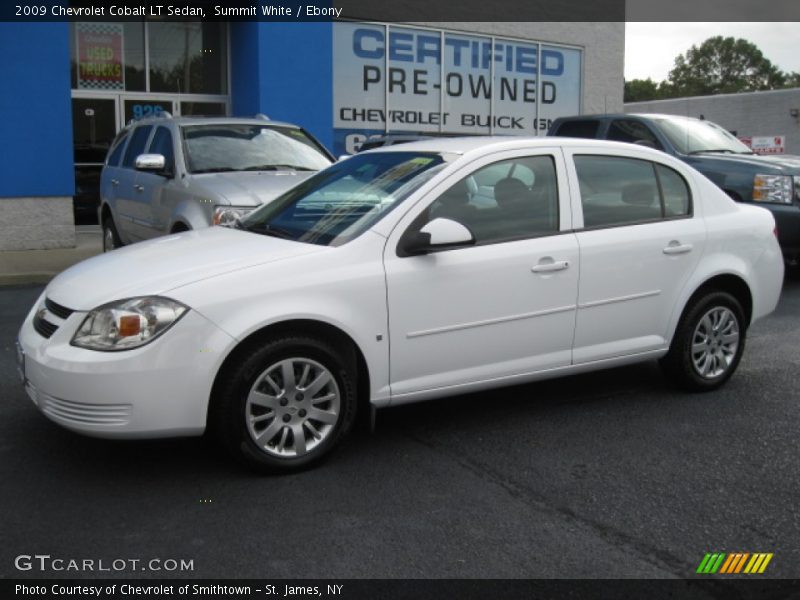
<point>230,415</point>
<point>679,364</point>
<point>111,239</point>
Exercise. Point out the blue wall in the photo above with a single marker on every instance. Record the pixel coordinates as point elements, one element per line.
<point>284,70</point>
<point>36,124</point>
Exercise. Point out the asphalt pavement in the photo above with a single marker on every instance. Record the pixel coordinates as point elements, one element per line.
<point>610,474</point>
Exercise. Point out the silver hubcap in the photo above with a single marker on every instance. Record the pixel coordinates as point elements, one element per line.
<point>108,239</point>
<point>715,341</point>
<point>292,407</point>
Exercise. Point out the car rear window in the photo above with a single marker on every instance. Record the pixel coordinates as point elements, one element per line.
<point>586,128</point>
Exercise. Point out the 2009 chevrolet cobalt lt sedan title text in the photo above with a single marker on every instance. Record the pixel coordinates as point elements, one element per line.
<point>404,274</point>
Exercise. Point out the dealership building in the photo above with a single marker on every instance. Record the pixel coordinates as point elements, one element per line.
<point>69,87</point>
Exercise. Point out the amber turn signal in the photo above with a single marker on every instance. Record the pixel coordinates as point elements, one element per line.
<point>129,325</point>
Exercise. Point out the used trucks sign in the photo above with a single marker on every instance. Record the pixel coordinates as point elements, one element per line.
<point>389,78</point>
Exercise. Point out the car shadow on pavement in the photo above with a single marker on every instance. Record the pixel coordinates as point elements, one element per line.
<point>39,440</point>
<point>531,400</point>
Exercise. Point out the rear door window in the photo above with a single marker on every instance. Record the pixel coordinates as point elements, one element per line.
<point>617,191</point>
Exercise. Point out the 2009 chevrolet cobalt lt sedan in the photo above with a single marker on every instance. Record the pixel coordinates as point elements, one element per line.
<point>404,274</point>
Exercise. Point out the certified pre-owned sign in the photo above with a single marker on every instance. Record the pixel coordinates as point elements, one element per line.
<point>391,78</point>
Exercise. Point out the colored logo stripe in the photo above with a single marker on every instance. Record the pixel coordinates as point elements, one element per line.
<point>734,562</point>
<point>758,563</point>
<point>711,562</point>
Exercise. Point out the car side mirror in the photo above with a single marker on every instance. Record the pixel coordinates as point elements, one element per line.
<point>646,144</point>
<point>439,234</point>
<point>155,163</point>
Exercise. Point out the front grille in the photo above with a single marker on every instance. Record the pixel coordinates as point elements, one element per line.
<point>44,328</point>
<point>60,311</point>
<point>79,413</point>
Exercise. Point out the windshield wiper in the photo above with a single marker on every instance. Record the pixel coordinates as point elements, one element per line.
<point>265,229</point>
<point>214,170</point>
<point>724,150</point>
<point>277,168</point>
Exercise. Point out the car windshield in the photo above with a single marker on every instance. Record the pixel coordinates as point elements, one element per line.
<point>245,147</point>
<point>693,136</point>
<point>341,202</point>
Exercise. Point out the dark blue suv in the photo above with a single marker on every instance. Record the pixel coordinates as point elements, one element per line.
<point>769,181</point>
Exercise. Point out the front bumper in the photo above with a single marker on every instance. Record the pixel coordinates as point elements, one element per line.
<point>787,219</point>
<point>158,390</point>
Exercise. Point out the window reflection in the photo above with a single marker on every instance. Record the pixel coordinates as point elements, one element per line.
<point>187,58</point>
<point>132,44</point>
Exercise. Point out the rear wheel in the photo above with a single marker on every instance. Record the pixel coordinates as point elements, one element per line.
<point>708,343</point>
<point>286,404</point>
<point>110,235</point>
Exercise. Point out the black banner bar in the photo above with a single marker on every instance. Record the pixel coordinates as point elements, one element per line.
<point>420,11</point>
<point>426,589</point>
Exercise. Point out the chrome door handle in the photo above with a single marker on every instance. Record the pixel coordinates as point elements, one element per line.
<point>115,182</point>
<point>138,187</point>
<point>677,248</point>
<point>549,267</point>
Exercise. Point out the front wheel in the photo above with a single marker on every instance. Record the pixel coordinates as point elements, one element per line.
<point>287,404</point>
<point>110,235</point>
<point>708,343</point>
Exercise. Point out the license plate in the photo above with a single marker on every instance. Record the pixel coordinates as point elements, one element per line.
<point>21,363</point>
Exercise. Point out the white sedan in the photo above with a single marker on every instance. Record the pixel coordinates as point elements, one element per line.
<point>403,274</point>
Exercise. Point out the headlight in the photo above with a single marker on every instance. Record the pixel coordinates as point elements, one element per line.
<point>127,324</point>
<point>773,188</point>
<point>228,215</point>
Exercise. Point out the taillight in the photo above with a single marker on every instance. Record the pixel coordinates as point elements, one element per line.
<point>775,231</point>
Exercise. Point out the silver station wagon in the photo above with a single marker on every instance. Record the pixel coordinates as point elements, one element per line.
<point>164,175</point>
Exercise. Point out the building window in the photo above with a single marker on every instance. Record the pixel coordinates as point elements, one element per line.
<point>187,58</point>
<point>184,58</point>
<point>107,56</point>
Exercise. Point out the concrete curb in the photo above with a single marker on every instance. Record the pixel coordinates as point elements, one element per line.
<point>19,267</point>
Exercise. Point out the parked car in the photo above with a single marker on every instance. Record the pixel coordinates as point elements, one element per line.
<point>391,139</point>
<point>400,137</point>
<point>404,274</point>
<point>769,181</point>
<point>164,174</point>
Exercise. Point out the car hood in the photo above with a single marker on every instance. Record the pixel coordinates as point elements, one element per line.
<point>249,188</point>
<point>156,266</point>
<point>788,163</point>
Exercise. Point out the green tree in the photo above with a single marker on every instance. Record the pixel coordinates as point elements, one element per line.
<point>793,79</point>
<point>724,65</point>
<point>640,90</point>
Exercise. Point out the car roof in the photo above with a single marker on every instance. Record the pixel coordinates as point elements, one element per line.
<point>624,116</point>
<point>214,121</point>
<point>467,144</point>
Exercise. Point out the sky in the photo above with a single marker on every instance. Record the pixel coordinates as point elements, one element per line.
<point>651,48</point>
